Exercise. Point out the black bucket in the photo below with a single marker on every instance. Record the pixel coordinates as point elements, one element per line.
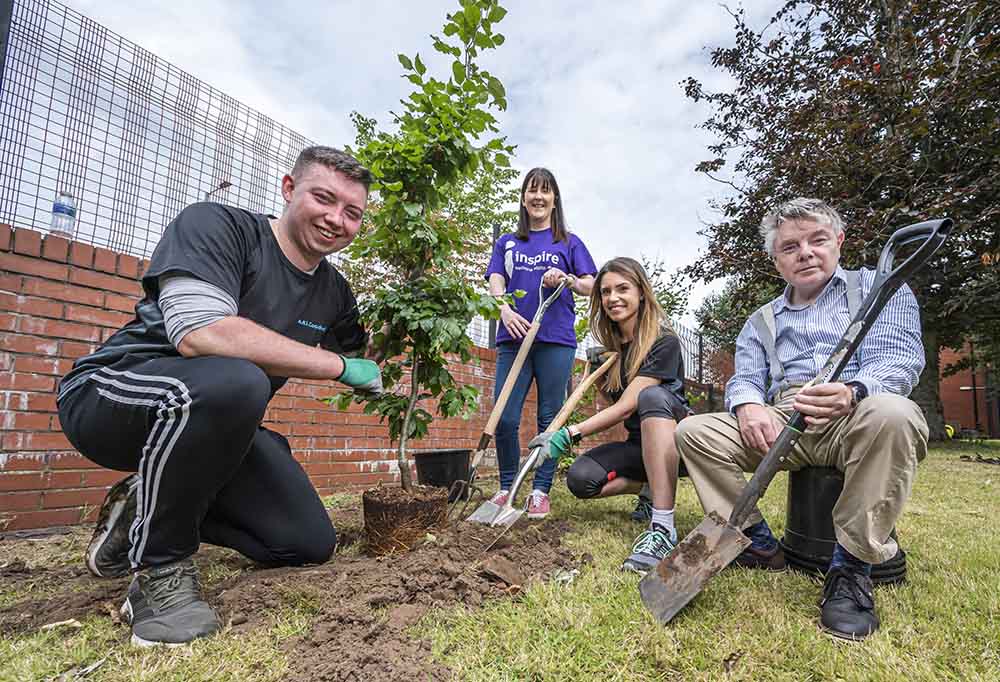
<point>441,468</point>
<point>809,537</point>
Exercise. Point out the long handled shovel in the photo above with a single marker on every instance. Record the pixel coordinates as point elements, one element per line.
<point>496,515</point>
<point>716,542</point>
<point>463,489</point>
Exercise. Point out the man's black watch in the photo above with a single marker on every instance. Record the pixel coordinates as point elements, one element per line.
<point>858,392</point>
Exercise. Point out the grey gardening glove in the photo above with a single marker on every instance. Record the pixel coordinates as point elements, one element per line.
<point>361,375</point>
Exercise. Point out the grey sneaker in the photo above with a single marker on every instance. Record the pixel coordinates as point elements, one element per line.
<point>107,553</point>
<point>643,512</point>
<point>649,549</point>
<point>164,606</point>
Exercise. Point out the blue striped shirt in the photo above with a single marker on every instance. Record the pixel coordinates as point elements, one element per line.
<point>889,359</point>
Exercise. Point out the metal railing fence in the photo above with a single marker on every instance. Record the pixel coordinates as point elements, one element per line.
<point>133,138</point>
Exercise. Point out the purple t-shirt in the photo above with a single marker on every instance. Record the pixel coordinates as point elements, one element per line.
<point>522,263</point>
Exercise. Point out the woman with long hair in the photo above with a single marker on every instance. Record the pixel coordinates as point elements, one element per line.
<point>646,385</point>
<point>541,250</point>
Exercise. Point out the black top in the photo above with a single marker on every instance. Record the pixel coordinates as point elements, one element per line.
<point>664,362</point>
<point>236,251</point>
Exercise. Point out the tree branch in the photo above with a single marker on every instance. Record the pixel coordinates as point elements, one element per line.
<point>970,22</point>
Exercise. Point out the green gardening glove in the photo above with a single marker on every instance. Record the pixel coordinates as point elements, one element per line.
<point>362,375</point>
<point>554,444</point>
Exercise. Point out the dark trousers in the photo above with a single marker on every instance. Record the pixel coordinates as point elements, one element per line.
<point>191,429</point>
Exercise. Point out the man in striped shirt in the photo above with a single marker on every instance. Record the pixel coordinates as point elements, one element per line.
<point>863,425</point>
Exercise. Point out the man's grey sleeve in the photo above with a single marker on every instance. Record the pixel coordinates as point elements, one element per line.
<point>188,303</point>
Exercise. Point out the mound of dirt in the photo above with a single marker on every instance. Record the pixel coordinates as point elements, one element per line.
<point>364,604</point>
<point>361,605</point>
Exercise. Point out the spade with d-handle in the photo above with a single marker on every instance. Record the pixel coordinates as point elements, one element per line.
<point>716,542</point>
<point>494,514</point>
<point>463,491</point>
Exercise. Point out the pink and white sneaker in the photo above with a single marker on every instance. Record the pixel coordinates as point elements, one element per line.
<point>538,505</point>
<point>500,499</point>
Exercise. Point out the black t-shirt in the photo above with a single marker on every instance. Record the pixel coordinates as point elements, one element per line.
<point>236,251</point>
<point>665,362</point>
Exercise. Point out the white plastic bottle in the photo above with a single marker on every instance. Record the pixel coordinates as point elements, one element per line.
<point>63,216</point>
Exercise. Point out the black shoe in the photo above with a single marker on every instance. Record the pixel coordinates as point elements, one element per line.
<point>643,512</point>
<point>164,606</point>
<point>107,553</point>
<point>848,606</point>
<point>768,560</point>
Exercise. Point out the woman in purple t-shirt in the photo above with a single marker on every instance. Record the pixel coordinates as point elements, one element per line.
<point>542,250</point>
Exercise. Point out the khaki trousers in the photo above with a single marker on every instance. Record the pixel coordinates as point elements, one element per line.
<point>877,448</point>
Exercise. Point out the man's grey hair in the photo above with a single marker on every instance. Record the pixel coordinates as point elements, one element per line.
<point>334,158</point>
<point>798,209</point>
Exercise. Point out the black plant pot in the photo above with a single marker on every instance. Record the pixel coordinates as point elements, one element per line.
<point>809,538</point>
<point>441,468</point>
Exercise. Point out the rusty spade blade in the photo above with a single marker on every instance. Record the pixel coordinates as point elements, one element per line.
<point>677,579</point>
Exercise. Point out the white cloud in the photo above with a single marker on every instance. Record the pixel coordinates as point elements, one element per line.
<point>594,90</point>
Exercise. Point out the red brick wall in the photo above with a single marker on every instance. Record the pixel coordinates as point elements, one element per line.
<point>59,300</point>
<point>958,404</point>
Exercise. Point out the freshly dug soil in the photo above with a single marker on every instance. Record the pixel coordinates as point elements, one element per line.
<point>364,604</point>
<point>396,519</point>
<point>361,605</point>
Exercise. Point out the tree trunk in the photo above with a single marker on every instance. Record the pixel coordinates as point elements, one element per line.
<point>927,393</point>
<point>404,464</point>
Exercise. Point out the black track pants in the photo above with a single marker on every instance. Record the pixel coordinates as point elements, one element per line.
<point>191,428</point>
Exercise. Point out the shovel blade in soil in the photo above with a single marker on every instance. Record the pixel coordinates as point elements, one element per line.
<point>486,513</point>
<point>507,517</point>
<point>679,578</point>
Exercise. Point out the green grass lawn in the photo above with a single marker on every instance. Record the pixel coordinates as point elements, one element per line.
<point>942,624</point>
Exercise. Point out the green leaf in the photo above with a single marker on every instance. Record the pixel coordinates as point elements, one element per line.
<point>458,71</point>
<point>393,186</point>
<point>498,39</point>
<point>497,14</point>
<point>496,88</point>
<point>420,65</point>
<point>472,15</point>
<point>405,61</point>
<point>412,210</point>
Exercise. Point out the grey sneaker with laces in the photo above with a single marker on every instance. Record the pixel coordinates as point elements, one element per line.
<point>107,553</point>
<point>165,607</point>
<point>649,549</point>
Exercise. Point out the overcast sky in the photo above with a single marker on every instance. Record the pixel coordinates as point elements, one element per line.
<point>593,90</point>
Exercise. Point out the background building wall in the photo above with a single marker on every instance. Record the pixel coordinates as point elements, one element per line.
<point>959,401</point>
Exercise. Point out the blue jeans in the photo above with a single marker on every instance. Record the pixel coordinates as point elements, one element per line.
<point>549,366</point>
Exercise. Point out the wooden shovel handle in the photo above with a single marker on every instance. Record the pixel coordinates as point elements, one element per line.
<point>570,404</point>
<point>522,353</point>
<point>508,384</point>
